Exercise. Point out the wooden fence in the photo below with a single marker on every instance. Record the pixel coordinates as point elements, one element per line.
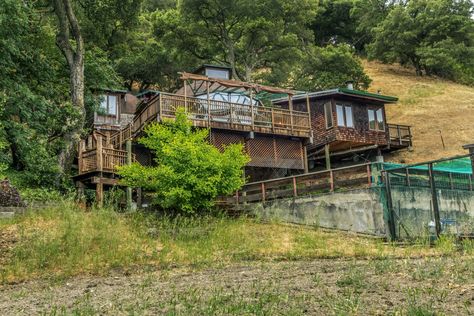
<point>346,178</point>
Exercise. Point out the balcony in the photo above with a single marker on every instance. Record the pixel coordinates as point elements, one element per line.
<point>225,115</point>
<point>399,136</point>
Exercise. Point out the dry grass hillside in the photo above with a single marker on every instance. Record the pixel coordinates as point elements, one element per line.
<point>433,107</point>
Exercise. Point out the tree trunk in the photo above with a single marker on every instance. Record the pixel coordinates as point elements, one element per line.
<point>69,32</point>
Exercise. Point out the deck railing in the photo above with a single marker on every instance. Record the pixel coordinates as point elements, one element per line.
<point>352,177</point>
<point>106,159</point>
<point>400,135</point>
<point>235,116</point>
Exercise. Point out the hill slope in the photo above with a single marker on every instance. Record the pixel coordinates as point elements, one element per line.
<point>432,106</point>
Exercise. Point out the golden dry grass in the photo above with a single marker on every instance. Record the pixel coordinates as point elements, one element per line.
<point>432,106</point>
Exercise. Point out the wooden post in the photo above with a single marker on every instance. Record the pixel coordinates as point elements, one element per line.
<point>290,105</point>
<point>434,198</point>
<point>231,114</point>
<point>252,109</point>
<point>399,135</point>
<point>331,180</point>
<point>185,96</point>
<point>305,159</point>
<point>208,105</point>
<point>273,120</point>
<point>295,190</point>
<point>139,197</point>
<point>407,177</point>
<point>129,162</point>
<point>81,149</point>
<point>470,182</point>
<point>237,197</point>
<point>80,190</point>
<point>328,156</point>
<point>160,108</point>
<point>99,153</point>
<point>99,193</point>
<point>263,192</point>
<point>451,181</point>
<point>369,176</point>
<point>308,109</point>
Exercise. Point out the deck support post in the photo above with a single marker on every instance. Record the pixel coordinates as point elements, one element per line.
<point>328,157</point>
<point>99,194</point>
<point>128,146</point>
<point>139,197</point>
<point>305,159</point>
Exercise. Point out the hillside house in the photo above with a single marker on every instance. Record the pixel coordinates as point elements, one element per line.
<point>282,135</point>
<point>275,136</point>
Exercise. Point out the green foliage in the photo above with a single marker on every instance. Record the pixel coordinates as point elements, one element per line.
<point>189,173</point>
<point>330,67</point>
<point>436,37</point>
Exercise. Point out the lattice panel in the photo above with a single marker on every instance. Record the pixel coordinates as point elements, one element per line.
<point>275,153</point>
<point>220,139</point>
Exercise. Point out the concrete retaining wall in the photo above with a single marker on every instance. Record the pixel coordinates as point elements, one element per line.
<point>359,211</point>
<point>413,209</point>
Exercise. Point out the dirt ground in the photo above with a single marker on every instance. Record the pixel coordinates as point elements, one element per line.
<point>320,287</point>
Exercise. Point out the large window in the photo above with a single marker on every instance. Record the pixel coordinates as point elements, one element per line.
<point>108,105</point>
<point>328,115</point>
<point>376,121</point>
<point>344,115</point>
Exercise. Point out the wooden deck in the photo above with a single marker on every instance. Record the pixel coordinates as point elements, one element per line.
<point>225,115</point>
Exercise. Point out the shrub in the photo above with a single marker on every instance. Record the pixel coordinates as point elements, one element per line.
<point>190,172</point>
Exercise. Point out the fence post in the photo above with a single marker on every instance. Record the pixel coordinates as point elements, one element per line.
<point>407,177</point>
<point>470,182</point>
<point>263,192</point>
<point>391,217</point>
<point>451,184</point>
<point>295,192</point>
<point>434,198</point>
<point>237,197</point>
<point>82,148</point>
<point>129,162</point>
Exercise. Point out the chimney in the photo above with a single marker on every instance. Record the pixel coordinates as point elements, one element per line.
<point>350,85</point>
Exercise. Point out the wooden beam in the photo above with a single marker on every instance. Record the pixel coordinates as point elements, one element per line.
<point>129,162</point>
<point>105,181</point>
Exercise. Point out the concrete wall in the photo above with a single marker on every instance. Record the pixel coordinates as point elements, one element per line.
<point>413,209</point>
<point>358,211</point>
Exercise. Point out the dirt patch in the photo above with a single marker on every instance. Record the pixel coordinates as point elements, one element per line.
<point>320,287</point>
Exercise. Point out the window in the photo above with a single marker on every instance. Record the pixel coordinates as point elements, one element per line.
<point>344,115</point>
<point>376,121</point>
<point>108,105</point>
<point>328,115</point>
<point>217,73</point>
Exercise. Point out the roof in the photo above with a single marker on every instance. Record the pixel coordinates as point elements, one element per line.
<point>145,92</point>
<point>235,84</point>
<point>112,90</point>
<point>344,92</point>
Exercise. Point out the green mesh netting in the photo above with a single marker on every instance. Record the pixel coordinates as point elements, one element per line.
<point>462,165</point>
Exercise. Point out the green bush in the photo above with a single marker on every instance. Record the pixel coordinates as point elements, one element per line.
<point>190,172</point>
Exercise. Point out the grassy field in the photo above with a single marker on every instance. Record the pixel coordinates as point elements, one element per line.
<point>64,240</point>
<point>434,108</point>
<point>63,260</point>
